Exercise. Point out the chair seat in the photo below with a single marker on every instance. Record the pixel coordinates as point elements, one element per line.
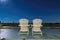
<point>36,31</point>
<point>23,33</point>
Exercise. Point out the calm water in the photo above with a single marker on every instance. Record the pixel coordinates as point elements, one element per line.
<point>14,33</point>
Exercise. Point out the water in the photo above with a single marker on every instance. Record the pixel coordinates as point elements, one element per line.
<point>14,33</point>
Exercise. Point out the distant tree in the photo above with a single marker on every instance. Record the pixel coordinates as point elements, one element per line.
<point>3,39</point>
<point>24,39</point>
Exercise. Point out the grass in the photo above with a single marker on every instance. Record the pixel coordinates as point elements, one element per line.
<point>30,39</point>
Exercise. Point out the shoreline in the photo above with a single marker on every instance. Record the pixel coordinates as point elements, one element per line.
<point>9,27</point>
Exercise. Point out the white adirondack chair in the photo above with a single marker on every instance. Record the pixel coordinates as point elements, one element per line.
<point>37,24</point>
<point>24,26</point>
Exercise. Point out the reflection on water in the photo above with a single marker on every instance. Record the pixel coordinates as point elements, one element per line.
<point>14,33</point>
<point>9,33</point>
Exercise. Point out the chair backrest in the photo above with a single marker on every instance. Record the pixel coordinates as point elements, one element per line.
<point>23,24</point>
<point>37,23</point>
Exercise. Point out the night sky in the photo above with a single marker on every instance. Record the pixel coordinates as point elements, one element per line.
<point>13,10</point>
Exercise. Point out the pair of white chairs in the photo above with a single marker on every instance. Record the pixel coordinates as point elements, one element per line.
<point>37,24</point>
